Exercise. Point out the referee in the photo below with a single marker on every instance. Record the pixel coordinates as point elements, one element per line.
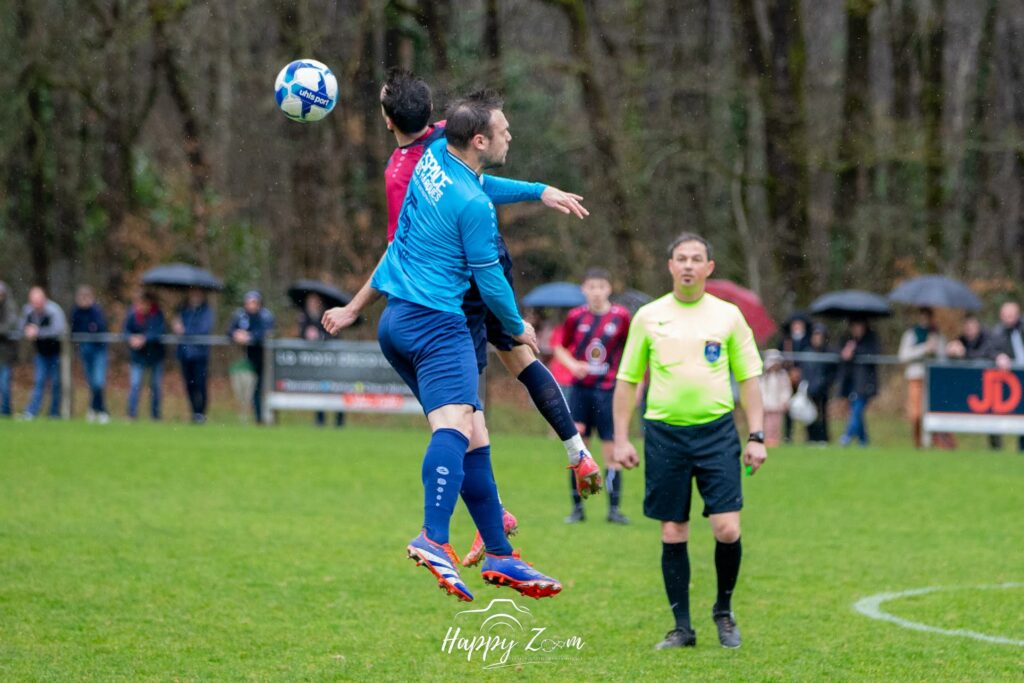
<point>691,341</point>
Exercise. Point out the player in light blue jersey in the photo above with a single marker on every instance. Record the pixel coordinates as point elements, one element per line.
<point>446,233</point>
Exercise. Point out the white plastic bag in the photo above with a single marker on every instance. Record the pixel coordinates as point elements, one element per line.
<point>801,407</point>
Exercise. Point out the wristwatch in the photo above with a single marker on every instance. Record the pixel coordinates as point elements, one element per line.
<point>756,437</point>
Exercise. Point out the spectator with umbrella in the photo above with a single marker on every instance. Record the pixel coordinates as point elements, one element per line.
<point>195,318</point>
<point>794,340</point>
<point>819,375</point>
<point>924,342</point>
<point>918,345</point>
<point>313,298</point>
<point>143,326</point>
<point>251,325</point>
<point>858,379</point>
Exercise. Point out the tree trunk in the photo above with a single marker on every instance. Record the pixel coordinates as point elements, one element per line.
<point>775,54</point>
<point>491,42</point>
<point>855,154</point>
<point>628,254</point>
<point>932,39</point>
<point>195,155</point>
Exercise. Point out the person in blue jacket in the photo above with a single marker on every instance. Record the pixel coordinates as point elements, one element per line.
<point>87,318</point>
<point>250,326</point>
<point>143,326</point>
<point>195,317</point>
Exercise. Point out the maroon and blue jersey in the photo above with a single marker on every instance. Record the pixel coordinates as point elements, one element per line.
<point>599,340</point>
<point>399,172</point>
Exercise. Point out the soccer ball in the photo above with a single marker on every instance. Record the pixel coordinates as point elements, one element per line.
<point>306,90</point>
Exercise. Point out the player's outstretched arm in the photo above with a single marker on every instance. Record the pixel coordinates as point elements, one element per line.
<point>336,319</point>
<point>623,401</point>
<point>510,191</point>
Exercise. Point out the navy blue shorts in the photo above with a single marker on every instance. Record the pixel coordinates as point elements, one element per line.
<point>592,408</point>
<point>433,353</point>
<point>675,456</point>
<point>483,325</point>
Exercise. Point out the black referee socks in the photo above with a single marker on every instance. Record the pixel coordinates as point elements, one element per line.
<point>675,567</point>
<point>727,565</point>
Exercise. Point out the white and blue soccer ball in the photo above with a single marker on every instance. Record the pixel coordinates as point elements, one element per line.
<point>306,90</point>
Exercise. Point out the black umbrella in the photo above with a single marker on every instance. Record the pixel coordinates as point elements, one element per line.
<point>555,295</point>
<point>332,296</point>
<point>633,299</point>
<point>935,291</point>
<point>181,275</point>
<point>850,303</point>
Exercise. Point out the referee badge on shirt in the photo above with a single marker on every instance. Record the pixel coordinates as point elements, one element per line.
<point>712,351</point>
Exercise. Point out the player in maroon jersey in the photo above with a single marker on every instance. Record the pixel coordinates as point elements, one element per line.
<point>406,106</point>
<point>593,337</point>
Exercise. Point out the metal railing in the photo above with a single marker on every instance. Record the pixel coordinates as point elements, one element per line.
<point>68,341</point>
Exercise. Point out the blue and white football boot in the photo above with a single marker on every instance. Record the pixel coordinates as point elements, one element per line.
<point>442,562</point>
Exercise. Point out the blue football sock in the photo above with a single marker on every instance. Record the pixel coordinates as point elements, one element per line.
<point>442,479</point>
<point>480,493</point>
<point>548,398</point>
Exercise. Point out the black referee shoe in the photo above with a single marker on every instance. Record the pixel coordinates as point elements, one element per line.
<point>576,516</point>
<point>679,637</point>
<point>728,631</point>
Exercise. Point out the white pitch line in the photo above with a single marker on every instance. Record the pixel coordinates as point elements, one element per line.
<point>871,606</point>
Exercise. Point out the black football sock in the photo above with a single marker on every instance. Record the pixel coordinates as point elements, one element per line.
<point>675,568</point>
<point>576,500</point>
<point>548,398</point>
<point>727,566</point>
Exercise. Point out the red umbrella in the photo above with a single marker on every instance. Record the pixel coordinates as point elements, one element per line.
<point>750,306</point>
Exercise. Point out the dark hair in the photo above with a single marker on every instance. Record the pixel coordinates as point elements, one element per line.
<point>597,274</point>
<point>470,116</point>
<point>689,237</point>
<point>406,100</point>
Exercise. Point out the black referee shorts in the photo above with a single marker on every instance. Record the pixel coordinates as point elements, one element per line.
<point>673,456</point>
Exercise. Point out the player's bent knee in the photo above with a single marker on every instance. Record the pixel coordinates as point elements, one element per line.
<point>455,416</point>
<point>480,437</point>
<point>727,532</point>
<point>675,532</point>
<point>517,358</point>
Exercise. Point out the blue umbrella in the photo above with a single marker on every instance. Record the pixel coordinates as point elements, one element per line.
<point>181,275</point>
<point>555,295</point>
<point>852,303</point>
<point>935,291</point>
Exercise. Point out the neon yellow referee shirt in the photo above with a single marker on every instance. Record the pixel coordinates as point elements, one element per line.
<point>690,348</point>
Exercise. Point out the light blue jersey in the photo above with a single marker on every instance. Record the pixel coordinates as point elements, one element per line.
<point>447,232</point>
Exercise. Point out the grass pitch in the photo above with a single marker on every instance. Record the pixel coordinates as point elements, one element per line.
<point>163,552</point>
